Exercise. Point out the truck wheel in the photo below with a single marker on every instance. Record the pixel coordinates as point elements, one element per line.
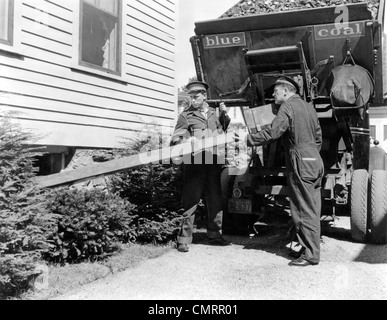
<point>359,194</point>
<point>227,183</point>
<point>378,220</point>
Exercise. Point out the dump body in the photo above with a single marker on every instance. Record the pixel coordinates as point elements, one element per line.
<point>241,58</point>
<point>219,46</point>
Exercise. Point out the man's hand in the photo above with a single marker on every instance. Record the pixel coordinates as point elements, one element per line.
<point>222,107</point>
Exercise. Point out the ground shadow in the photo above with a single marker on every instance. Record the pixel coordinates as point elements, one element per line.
<point>271,240</point>
<point>271,234</point>
<point>373,254</point>
<point>375,251</point>
<point>329,229</point>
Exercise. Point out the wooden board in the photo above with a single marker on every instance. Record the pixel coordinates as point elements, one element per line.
<point>114,166</point>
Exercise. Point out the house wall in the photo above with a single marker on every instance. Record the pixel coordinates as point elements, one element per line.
<point>71,106</point>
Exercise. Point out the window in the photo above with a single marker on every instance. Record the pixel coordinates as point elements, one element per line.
<point>385,133</point>
<point>6,22</point>
<point>100,35</point>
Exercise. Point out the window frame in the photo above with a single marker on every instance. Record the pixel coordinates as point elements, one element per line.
<point>79,65</point>
<point>11,14</point>
<point>13,45</point>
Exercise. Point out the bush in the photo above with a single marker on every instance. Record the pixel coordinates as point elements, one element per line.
<point>91,224</point>
<point>153,188</point>
<point>24,223</point>
<point>16,275</point>
<point>70,225</point>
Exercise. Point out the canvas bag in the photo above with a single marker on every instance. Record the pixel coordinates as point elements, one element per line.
<point>351,85</point>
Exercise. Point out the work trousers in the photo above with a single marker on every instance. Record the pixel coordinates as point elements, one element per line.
<point>305,172</point>
<point>199,179</point>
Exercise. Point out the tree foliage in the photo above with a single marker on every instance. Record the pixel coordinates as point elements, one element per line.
<point>24,222</point>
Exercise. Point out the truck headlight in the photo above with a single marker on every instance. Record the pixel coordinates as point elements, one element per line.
<point>237,193</point>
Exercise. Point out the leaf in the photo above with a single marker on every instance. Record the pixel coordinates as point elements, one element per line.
<point>25,241</point>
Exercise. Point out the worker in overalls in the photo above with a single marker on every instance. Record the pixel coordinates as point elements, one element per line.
<point>298,125</point>
<point>202,172</point>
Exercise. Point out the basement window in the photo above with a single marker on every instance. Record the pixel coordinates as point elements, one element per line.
<point>6,22</point>
<point>100,35</point>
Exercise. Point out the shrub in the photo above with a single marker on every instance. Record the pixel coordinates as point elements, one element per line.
<point>91,224</point>
<point>154,188</point>
<point>24,223</point>
<point>16,275</point>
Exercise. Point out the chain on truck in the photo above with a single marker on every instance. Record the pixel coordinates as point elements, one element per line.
<point>337,60</point>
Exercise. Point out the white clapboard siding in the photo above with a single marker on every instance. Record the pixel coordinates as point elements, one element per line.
<point>155,10</point>
<point>23,102</point>
<point>86,136</point>
<point>137,41</point>
<point>53,8</point>
<point>36,88</point>
<point>41,14</point>
<point>162,7</point>
<point>32,50</point>
<point>140,32</point>
<point>168,5</point>
<point>67,5</point>
<point>117,92</point>
<point>46,44</point>
<point>66,117</point>
<point>156,80</point>
<point>147,14</point>
<point>115,89</point>
<point>143,22</point>
<point>151,59</point>
<point>133,58</point>
<point>83,108</point>
<point>31,27</point>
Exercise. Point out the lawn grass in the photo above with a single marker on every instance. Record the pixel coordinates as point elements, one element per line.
<point>62,279</point>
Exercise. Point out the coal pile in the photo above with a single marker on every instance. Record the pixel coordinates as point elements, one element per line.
<point>250,7</point>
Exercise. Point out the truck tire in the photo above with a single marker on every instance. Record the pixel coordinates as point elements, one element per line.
<point>378,219</point>
<point>226,183</point>
<point>359,203</point>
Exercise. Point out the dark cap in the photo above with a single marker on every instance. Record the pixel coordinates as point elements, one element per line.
<point>288,81</point>
<point>197,86</point>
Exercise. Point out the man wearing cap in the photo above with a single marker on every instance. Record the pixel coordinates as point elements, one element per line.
<point>201,177</point>
<point>298,125</point>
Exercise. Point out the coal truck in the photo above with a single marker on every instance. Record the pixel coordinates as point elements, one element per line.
<point>335,54</point>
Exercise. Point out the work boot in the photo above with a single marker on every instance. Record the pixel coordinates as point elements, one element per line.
<point>219,242</point>
<point>182,247</point>
<point>301,262</point>
<point>296,254</point>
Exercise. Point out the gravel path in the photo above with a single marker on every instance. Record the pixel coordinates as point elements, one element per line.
<point>251,268</point>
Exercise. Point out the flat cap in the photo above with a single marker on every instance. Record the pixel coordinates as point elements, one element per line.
<point>288,81</point>
<point>197,86</point>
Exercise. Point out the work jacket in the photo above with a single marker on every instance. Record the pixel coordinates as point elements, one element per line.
<point>298,126</point>
<point>192,123</point>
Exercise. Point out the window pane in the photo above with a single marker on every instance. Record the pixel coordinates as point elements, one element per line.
<point>385,133</point>
<point>100,34</point>
<point>107,5</point>
<point>4,20</point>
<point>373,132</point>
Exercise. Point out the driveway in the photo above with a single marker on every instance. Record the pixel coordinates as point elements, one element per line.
<point>252,268</point>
